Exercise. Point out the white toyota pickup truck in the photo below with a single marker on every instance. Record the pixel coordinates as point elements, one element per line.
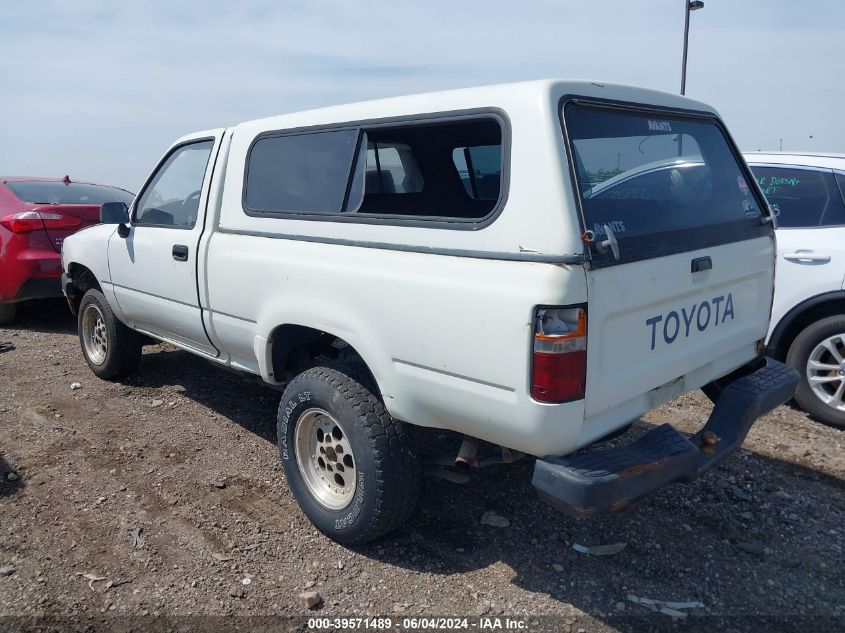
<point>472,260</point>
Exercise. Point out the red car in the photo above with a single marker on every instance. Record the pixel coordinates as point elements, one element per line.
<point>36,215</point>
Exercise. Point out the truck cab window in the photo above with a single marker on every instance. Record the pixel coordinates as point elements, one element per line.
<point>480,170</point>
<point>172,196</point>
<point>392,168</point>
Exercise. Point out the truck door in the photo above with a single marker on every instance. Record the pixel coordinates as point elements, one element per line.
<point>681,252</point>
<point>154,268</point>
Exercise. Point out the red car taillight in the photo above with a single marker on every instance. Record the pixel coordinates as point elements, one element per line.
<point>559,371</point>
<point>26,221</point>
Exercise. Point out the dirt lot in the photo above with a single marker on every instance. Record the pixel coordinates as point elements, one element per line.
<point>183,456</point>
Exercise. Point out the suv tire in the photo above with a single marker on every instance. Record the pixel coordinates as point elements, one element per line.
<point>8,312</point>
<point>110,348</point>
<point>348,463</point>
<point>814,353</point>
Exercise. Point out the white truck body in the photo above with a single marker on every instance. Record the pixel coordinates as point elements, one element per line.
<point>461,245</point>
<point>443,318</point>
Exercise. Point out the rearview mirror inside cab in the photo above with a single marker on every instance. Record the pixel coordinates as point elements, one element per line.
<point>114,213</point>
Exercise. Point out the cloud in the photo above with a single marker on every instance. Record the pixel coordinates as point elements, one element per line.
<point>100,89</point>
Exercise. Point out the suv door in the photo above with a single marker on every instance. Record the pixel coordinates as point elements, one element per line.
<point>154,268</point>
<point>810,234</point>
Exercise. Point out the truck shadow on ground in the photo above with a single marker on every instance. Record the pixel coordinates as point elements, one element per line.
<point>735,540</point>
<point>242,398</point>
<point>698,542</point>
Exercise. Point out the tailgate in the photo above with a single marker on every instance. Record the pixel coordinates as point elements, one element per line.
<point>653,321</point>
<point>681,249</point>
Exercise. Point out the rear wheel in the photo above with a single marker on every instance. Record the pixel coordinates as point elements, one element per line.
<point>818,353</point>
<point>348,463</point>
<point>8,312</point>
<point>110,348</point>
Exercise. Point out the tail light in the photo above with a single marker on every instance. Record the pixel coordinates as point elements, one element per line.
<point>560,354</point>
<point>26,221</point>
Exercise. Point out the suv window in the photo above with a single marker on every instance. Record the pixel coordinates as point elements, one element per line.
<point>46,192</point>
<point>172,198</point>
<point>383,170</point>
<point>662,182</point>
<point>801,198</point>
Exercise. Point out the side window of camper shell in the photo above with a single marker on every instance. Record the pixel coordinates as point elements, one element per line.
<point>448,170</point>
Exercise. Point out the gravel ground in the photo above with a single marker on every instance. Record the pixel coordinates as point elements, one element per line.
<point>167,492</point>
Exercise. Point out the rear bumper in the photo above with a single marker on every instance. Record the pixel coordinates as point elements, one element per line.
<point>39,289</point>
<point>30,273</point>
<point>605,481</point>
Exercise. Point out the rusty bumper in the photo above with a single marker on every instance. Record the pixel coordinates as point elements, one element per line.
<point>599,482</point>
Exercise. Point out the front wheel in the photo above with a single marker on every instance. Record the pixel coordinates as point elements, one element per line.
<point>110,348</point>
<point>818,353</point>
<point>348,463</point>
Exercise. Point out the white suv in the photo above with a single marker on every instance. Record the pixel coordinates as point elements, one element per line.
<point>808,315</point>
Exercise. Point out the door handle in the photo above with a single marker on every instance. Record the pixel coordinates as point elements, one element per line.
<point>180,252</point>
<point>806,256</point>
<point>700,264</point>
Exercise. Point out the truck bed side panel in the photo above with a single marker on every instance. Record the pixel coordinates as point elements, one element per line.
<point>447,338</point>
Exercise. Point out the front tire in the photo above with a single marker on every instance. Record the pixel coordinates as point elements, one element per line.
<point>8,312</point>
<point>348,463</point>
<point>110,348</point>
<point>818,354</point>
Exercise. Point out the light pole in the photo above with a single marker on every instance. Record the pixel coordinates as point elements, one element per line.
<point>690,5</point>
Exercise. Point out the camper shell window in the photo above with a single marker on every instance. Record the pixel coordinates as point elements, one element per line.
<point>448,171</point>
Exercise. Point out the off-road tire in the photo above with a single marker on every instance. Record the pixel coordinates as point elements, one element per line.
<point>123,344</point>
<point>8,312</point>
<point>799,355</point>
<point>387,468</point>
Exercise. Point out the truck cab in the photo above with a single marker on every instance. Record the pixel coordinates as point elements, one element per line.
<point>502,262</point>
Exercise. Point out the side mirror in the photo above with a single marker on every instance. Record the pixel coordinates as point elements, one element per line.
<point>116,213</point>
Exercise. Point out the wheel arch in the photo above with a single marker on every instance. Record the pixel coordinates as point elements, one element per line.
<point>80,280</point>
<point>292,347</point>
<point>802,315</point>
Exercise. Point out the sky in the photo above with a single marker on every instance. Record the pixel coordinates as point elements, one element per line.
<point>100,89</point>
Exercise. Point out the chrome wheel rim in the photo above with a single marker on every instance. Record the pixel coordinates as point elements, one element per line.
<point>325,460</point>
<point>94,335</point>
<point>826,371</point>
